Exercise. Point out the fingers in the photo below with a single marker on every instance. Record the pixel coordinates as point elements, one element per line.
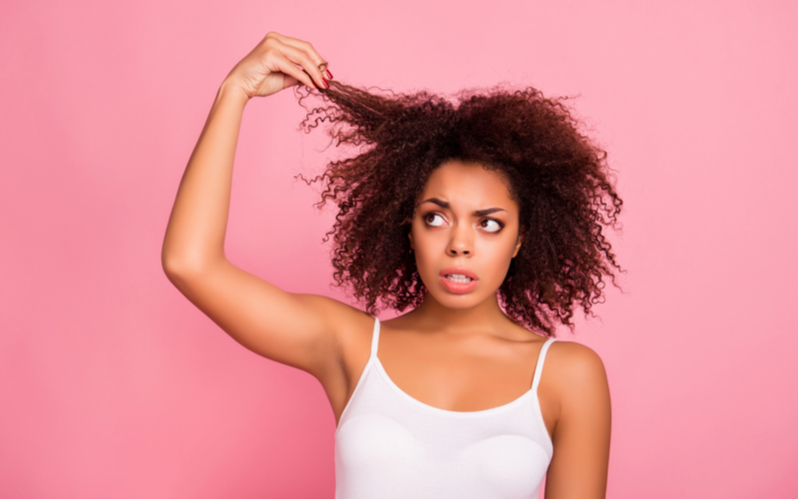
<point>302,59</point>
<point>288,68</point>
<point>305,47</point>
<point>303,54</point>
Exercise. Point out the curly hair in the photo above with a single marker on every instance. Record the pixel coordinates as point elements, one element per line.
<point>557,176</point>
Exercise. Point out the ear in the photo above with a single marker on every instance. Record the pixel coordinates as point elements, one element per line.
<point>516,247</point>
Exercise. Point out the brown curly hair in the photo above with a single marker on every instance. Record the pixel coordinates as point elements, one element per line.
<point>557,176</point>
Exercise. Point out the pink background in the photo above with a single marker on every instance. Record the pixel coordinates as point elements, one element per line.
<point>113,384</point>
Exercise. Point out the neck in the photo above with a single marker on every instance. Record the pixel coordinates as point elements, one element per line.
<point>484,317</point>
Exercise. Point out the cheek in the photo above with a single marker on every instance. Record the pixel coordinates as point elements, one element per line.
<point>497,255</point>
<point>424,248</point>
<point>428,249</point>
<point>499,246</point>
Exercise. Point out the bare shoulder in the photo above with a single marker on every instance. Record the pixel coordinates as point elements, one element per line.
<point>574,363</point>
<point>576,379</point>
<point>578,389</point>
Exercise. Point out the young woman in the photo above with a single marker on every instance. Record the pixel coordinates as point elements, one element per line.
<point>451,209</point>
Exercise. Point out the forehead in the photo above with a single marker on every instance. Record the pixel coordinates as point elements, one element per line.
<point>470,185</point>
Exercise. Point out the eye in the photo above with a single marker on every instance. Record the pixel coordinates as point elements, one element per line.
<point>491,225</point>
<point>430,219</point>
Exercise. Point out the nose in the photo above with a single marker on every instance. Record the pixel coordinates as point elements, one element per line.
<point>461,242</point>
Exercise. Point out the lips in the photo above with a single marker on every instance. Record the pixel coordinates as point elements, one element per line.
<point>465,283</point>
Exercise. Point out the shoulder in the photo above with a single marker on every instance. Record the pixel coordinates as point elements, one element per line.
<point>574,361</point>
<point>575,373</point>
<point>581,424</point>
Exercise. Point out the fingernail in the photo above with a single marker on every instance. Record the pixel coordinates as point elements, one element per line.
<point>327,85</point>
<point>329,74</point>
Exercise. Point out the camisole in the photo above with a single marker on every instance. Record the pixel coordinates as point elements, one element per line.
<point>391,445</point>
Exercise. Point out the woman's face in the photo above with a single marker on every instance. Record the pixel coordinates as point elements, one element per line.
<point>464,234</point>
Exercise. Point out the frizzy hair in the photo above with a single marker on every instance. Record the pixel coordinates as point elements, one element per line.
<point>557,176</point>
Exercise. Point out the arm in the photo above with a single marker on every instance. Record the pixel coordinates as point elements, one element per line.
<point>582,435</point>
<point>295,329</point>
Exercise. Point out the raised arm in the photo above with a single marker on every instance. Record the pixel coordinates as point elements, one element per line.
<point>296,329</point>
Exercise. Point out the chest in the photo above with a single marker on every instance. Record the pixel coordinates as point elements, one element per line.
<point>467,376</point>
<point>393,441</point>
<point>458,377</point>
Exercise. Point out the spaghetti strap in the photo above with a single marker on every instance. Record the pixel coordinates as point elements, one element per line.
<point>376,332</point>
<point>540,363</point>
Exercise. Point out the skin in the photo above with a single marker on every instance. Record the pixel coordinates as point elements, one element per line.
<point>458,352</point>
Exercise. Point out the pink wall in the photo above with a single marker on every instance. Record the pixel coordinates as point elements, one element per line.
<point>113,384</point>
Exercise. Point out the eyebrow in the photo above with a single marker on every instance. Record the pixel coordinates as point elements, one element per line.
<point>480,213</point>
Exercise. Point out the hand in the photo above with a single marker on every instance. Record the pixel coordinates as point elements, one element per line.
<point>278,62</point>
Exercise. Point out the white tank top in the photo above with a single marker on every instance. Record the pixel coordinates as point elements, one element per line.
<point>390,445</point>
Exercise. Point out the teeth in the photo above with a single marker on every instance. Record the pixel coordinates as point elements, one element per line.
<point>459,278</point>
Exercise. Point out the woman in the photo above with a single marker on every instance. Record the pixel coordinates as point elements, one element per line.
<point>445,209</point>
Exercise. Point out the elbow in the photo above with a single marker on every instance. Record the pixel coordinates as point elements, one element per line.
<point>172,267</point>
<point>182,257</point>
<point>175,266</point>
<point>169,263</point>
<point>182,267</point>
<point>178,273</point>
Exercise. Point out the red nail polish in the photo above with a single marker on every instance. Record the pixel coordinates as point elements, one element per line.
<point>327,85</point>
<point>329,74</point>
